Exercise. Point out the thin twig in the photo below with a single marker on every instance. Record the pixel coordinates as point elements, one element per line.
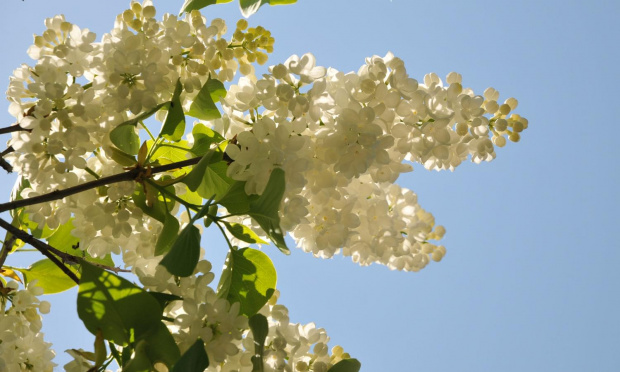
<point>127,176</point>
<point>14,128</point>
<point>42,247</point>
<point>5,164</point>
<point>6,248</point>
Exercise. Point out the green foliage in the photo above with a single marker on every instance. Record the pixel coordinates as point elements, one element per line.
<point>236,200</point>
<point>190,5</point>
<point>243,233</point>
<point>183,257</point>
<point>346,365</point>
<point>204,138</point>
<point>195,177</point>
<point>115,306</point>
<point>164,298</point>
<point>125,315</point>
<point>49,276</point>
<point>249,278</point>
<point>168,235</point>
<point>249,7</point>
<point>265,209</point>
<point>125,138</point>
<point>260,329</point>
<point>174,125</point>
<point>195,359</point>
<point>203,106</point>
<point>158,209</point>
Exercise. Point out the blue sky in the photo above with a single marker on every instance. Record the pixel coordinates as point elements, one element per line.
<point>530,280</point>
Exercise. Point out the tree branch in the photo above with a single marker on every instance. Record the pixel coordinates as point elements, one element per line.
<point>5,164</point>
<point>127,176</point>
<point>14,128</point>
<point>42,247</point>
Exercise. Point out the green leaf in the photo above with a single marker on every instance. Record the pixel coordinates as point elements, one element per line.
<point>236,200</point>
<point>253,280</point>
<point>124,136</point>
<point>115,306</point>
<point>164,298</point>
<point>174,125</point>
<point>195,359</point>
<point>160,345</point>
<point>215,183</point>
<point>168,153</point>
<point>168,235</point>
<point>158,210</point>
<point>190,5</point>
<point>140,361</point>
<point>346,365</point>
<point>243,233</point>
<point>265,209</point>
<point>204,137</point>
<point>203,106</point>
<point>249,7</point>
<point>260,328</point>
<point>64,241</point>
<point>223,286</point>
<point>120,157</point>
<point>195,176</point>
<point>126,139</point>
<point>49,276</point>
<point>183,257</point>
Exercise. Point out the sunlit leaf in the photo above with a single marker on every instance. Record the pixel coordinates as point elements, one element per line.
<point>115,306</point>
<point>49,276</point>
<point>249,7</point>
<point>203,106</point>
<point>204,137</point>
<point>215,183</point>
<point>253,279</point>
<point>190,5</point>
<point>9,273</point>
<point>126,139</point>
<point>243,233</point>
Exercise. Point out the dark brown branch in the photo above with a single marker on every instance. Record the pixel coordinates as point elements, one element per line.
<point>14,128</point>
<point>5,164</point>
<point>7,245</point>
<point>8,150</point>
<point>46,249</point>
<point>127,176</point>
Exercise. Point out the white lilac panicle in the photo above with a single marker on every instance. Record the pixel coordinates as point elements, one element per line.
<point>228,342</point>
<point>22,347</point>
<point>79,90</point>
<point>343,139</point>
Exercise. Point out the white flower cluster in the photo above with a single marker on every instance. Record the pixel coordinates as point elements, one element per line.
<point>79,90</point>
<point>228,342</point>
<point>22,347</point>
<point>342,139</point>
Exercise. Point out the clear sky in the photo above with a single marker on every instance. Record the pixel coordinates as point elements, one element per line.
<point>531,278</point>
